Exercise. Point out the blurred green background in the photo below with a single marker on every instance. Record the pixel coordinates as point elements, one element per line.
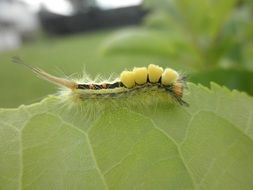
<point>208,40</point>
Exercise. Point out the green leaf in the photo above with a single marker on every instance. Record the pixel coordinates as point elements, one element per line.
<point>139,41</point>
<point>208,145</point>
<point>162,44</point>
<point>239,79</point>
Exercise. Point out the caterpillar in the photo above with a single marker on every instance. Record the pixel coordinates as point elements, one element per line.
<point>152,80</point>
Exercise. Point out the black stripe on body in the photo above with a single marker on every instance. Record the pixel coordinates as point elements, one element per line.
<point>99,86</point>
<point>115,85</point>
<point>122,91</point>
<point>83,86</point>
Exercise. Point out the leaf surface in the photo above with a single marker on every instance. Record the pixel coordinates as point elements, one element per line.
<point>206,146</point>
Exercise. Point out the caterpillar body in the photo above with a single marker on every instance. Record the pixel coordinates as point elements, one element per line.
<point>152,80</point>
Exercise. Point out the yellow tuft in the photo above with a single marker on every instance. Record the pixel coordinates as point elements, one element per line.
<point>140,75</point>
<point>154,73</point>
<point>127,78</point>
<point>169,76</point>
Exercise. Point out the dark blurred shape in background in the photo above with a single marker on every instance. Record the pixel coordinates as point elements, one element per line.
<point>20,19</point>
<point>84,15</point>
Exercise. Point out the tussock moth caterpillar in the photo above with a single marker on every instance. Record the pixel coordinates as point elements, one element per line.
<point>142,83</point>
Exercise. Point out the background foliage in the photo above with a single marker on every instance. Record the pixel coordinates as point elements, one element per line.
<point>204,38</point>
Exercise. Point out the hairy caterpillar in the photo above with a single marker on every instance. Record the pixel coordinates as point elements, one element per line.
<point>152,82</point>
